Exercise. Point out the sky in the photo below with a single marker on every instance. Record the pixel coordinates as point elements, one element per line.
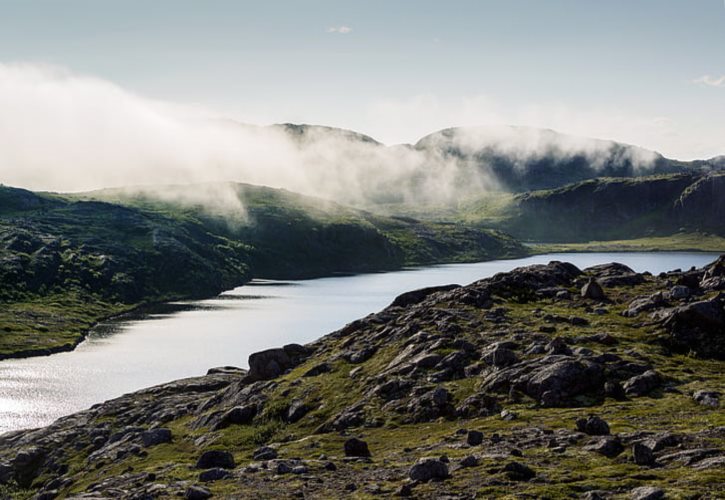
<point>647,72</point>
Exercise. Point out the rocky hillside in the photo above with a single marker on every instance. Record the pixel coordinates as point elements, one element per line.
<point>545,382</point>
<point>610,209</point>
<point>68,261</point>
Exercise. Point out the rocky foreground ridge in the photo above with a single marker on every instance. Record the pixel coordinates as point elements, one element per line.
<point>544,382</point>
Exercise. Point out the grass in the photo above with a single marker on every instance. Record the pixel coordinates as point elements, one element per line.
<point>55,322</point>
<point>691,242</point>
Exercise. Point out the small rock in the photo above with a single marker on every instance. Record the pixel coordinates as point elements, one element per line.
<point>474,438</point>
<point>330,466</point>
<point>516,471</point>
<point>428,469</point>
<point>297,410</point>
<point>197,493</point>
<point>469,461</point>
<point>642,455</point>
<point>405,490</point>
<point>609,447</point>
<point>282,468</point>
<point>592,425</point>
<point>214,474</point>
<point>265,453</point>
<point>508,415</point>
<point>356,448</point>
<point>707,398</point>
<point>648,493</point>
<point>299,469</point>
<point>215,458</point>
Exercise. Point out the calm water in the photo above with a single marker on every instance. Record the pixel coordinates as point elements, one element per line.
<point>185,339</point>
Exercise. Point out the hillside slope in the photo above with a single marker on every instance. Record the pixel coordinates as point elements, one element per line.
<point>544,382</point>
<point>609,209</point>
<point>68,261</point>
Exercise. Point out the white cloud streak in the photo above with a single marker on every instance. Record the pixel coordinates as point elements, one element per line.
<point>710,81</point>
<point>341,30</point>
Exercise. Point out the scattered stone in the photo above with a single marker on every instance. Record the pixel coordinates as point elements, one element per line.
<point>593,290</point>
<point>153,437</point>
<point>282,468</point>
<point>215,458</point>
<point>609,446</point>
<point>318,369</point>
<point>516,471</point>
<point>592,425</point>
<point>405,490</point>
<point>297,410</point>
<point>265,453</point>
<point>27,464</point>
<point>474,438</point>
<point>500,356</point>
<point>642,455</point>
<point>300,469</point>
<point>648,493</point>
<point>214,474</point>
<point>197,493</point>
<point>508,415</point>
<point>271,363</point>
<point>428,469</point>
<point>640,385</point>
<point>469,461</point>
<point>707,398</point>
<point>356,448</point>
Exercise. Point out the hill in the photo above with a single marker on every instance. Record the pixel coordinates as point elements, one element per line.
<point>67,261</point>
<point>544,382</point>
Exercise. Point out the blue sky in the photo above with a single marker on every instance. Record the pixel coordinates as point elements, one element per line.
<point>641,71</point>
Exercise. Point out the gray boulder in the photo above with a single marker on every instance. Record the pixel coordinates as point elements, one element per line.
<point>428,469</point>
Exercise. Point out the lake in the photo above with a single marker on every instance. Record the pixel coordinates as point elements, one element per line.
<point>186,338</point>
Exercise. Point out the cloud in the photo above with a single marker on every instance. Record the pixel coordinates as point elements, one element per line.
<point>342,30</point>
<point>710,81</point>
<point>407,119</point>
<point>63,131</point>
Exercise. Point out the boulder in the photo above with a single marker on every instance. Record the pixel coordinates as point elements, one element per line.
<point>197,493</point>
<point>271,363</point>
<point>647,493</point>
<point>698,327</point>
<point>416,296</point>
<point>563,379</point>
<point>474,438</point>
<point>215,458</point>
<point>152,437</point>
<point>500,356</point>
<point>593,290</point>
<point>265,453</point>
<point>707,398</point>
<point>27,465</point>
<point>639,385</point>
<point>356,448</point>
<point>592,425</point>
<point>215,474</point>
<point>642,454</point>
<point>516,471</point>
<point>608,446</point>
<point>428,469</point>
<point>296,411</point>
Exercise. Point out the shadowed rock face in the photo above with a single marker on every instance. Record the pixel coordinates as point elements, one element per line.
<point>500,373</point>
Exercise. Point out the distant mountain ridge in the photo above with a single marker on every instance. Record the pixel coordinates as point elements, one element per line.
<point>514,158</point>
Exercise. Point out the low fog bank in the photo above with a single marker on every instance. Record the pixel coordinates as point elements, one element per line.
<point>61,131</point>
